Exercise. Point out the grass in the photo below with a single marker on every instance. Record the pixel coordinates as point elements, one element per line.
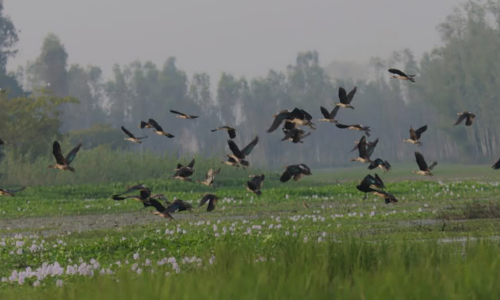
<point>439,242</point>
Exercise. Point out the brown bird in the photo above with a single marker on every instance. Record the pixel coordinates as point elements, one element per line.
<point>233,163</point>
<point>295,135</point>
<point>145,125</point>
<point>255,184</point>
<point>63,163</point>
<point>297,116</point>
<point>230,130</point>
<point>415,135</point>
<point>158,130</point>
<point>467,116</point>
<point>363,153</point>
<point>329,116</point>
<point>380,163</point>
<point>10,193</point>
<point>422,165</point>
<point>183,115</point>
<point>166,212</point>
<point>239,155</point>
<point>209,178</point>
<point>295,171</point>
<point>131,137</point>
<point>212,201</point>
<point>355,127</point>
<point>184,172</point>
<point>346,99</point>
<point>401,75</point>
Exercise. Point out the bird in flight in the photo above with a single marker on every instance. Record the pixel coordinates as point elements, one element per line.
<point>210,177</point>
<point>230,130</point>
<point>329,116</point>
<point>211,199</point>
<point>355,127</point>
<point>398,74</point>
<point>467,116</point>
<point>131,137</point>
<point>184,172</point>
<point>255,184</point>
<point>63,163</point>
<point>158,130</point>
<point>295,171</point>
<point>424,169</point>
<point>346,99</point>
<point>183,115</point>
<point>415,135</point>
<point>240,155</point>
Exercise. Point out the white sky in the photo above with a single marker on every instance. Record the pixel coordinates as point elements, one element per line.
<point>241,37</point>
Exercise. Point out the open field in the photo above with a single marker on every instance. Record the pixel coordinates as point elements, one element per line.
<point>440,241</point>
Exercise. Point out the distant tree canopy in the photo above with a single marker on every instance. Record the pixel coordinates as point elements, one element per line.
<point>461,74</point>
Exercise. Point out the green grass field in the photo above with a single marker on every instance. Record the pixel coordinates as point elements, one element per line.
<point>441,241</point>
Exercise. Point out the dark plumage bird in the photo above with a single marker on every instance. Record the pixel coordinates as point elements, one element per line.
<point>145,125</point>
<point>363,153</point>
<point>184,172</point>
<point>133,188</point>
<point>212,201</point>
<point>255,184</point>
<point>131,137</point>
<point>295,171</point>
<point>63,163</point>
<point>295,135</point>
<point>370,147</point>
<point>233,163</point>
<point>230,130</point>
<point>166,212</point>
<point>422,165</point>
<point>158,130</point>
<point>10,193</point>
<point>467,116</point>
<point>329,116</point>
<point>240,155</point>
<point>380,163</point>
<point>183,115</point>
<point>297,116</point>
<point>355,127</point>
<point>388,197</point>
<point>346,99</point>
<point>370,184</point>
<point>415,135</point>
<point>210,177</point>
<point>398,74</point>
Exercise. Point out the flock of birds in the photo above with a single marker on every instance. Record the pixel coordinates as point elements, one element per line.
<point>291,120</point>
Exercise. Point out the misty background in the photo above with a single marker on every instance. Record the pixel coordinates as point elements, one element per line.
<point>78,71</point>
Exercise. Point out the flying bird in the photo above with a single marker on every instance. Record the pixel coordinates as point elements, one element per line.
<point>145,125</point>
<point>10,193</point>
<point>297,116</point>
<point>63,163</point>
<point>355,127</point>
<point>388,197</point>
<point>295,135</point>
<point>496,166</point>
<point>422,165</point>
<point>346,99</point>
<point>131,137</point>
<point>230,130</point>
<point>233,163</point>
<point>166,212</point>
<point>211,199</point>
<point>255,184</point>
<point>415,135</point>
<point>329,116</point>
<point>398,74</point>
<point>370,147</point>
<point>370,184</point>
<point>210,177</point>
<point>184,172</point>
<point>240,155</point>
<point>467,116</point>
<point>158,130</point>
<point>380,163</point>
<point>363,153</point>
<point>183,115</point>
<point>295,171</point>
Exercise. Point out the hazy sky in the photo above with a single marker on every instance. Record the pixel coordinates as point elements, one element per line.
<point>241,37</point>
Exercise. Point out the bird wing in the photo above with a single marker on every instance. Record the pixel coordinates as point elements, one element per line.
<point>306,115</point>
<point>367,181</point>
<point>343,96</point>
<point>72,154</point>
<point>413,135</point>
<point>155,125</point>
<point>191,164</point>
<point>143,124</point>
<point>234,148</point>
<point>212,203</point>
<point>460,119</point>
<point>351,94</point>
<point>334,112</point>
<point>362,148</point>
<point>157,205</point>
<point>470,119</point>
<point>128,132</point>
<point>248,149</point>
<point>278,120</point>
<point>420,131</point>
<point>305,169</point>
<point>56,150</point>
<point>496,166</point>
<point>205,199</point>
<point>371,147</point>
<point>342,126</point>
<point>258,180</point>
<point>397,72</point>
<point>380,183</point>
<point>326,113</point>
<point>286,175</point>
<point>422,165</point>
<point>232,133</point>
<point>183,172</point>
